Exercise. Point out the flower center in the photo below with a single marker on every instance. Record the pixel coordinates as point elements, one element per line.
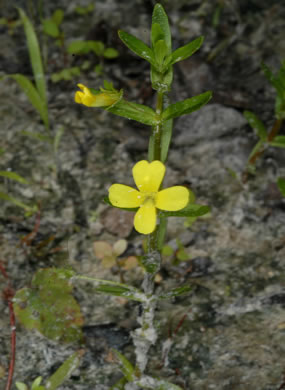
<point>149,199</point>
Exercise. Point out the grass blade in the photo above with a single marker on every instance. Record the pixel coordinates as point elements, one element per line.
<point>35,55</point>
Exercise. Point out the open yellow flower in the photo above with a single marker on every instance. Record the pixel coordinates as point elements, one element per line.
<point>148,178</point>
<point>104,98</point>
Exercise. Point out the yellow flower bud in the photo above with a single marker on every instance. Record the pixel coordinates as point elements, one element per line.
<point>104,98</point>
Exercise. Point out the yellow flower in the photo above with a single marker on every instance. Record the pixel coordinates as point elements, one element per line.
<point>148,178</point>
<point>104,98</point>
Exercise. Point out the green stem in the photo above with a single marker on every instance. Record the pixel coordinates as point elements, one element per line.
<point>157,129</point>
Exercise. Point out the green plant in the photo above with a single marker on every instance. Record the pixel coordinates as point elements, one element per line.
<point>29,209</point>
<point>152,204</point>
<point>268,138</point>
<point>35,91</point>
<point>61,374</point>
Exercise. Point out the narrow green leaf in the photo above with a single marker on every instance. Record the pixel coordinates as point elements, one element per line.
<point>160,52</point>
<point>256,124</point>
<point>162,232</point>
<point>280,107</point>
<point>111,53</point>
<point>278,141</point>
<point>126,366</point>
<point>97,47</point>
<point>58,137</point>
<point>33,96</point>
<point>17,202</point>
<point>260,144</point>
<point>21,386</point>
<point>272,79</point>
<point>36,383</point>
<point>78,47</point>
<point>137,112</point>
<point>186,106</point>
<point>35,56</point>
<point>114,288</point>
<point>151,147</point>
<point>120,385</point>
<point>57,16</point>
<point>137,46</point>
<point>13,176</point>
<point>50,28</point>
<point>175,292</point>
<point>281,185</point>
<point>159,16</point>
<point>186,51</point>
<point>38,136</point>
<point>166,139</point>
<point>64,371</point>
<point>191,210</point>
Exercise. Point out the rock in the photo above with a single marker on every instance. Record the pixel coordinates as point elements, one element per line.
<point>210,122</point>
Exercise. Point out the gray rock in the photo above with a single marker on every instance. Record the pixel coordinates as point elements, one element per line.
<point>211,122</point>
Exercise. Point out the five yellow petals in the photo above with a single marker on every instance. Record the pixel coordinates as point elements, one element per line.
<point>148,178</point>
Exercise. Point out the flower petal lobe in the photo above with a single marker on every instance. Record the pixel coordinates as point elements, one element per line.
<point>121,195</point>
<point>172,199</point>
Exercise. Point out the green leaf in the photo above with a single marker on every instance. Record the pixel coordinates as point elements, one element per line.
<point>35,56</point>
<point>167,250</point>
<point>58,137</point>
<point>36,383</point>
<point>278,141</point>
<point>111,53</point>
<point>162,231</point>
<point>13,176</point>
<point>191,210</point>
<point>186,51</point>
<point>137,112</point>
<point>160,52</point>
<point>38,136</point>
<point>50,28</point>
<point>126,366</point>
<point>272,79</point>
<point>150,262</point>
<point>137,46</point>
<point>281,185</point>
<point>257,148</point>
<point>33,96</point>
<point>120,385</point>
<point>49,306</point>
<point>175,292</point>
<point>114,288</point>
<point>166,136</point>
<point>256,124</point>
<point>186,106</point>
<point>21,386</point>
<point>161,81</point>
<point>57,16</point>
<point>78,47</point>
<point>84,10</point>
<point>159,17</point>
<point>64,371</point>
<point>151,147</point>
<point>97,47</point>
<point>17,202</point>
<point>280,107</point>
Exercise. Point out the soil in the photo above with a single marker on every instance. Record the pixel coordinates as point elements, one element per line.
<point>228,333</point>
